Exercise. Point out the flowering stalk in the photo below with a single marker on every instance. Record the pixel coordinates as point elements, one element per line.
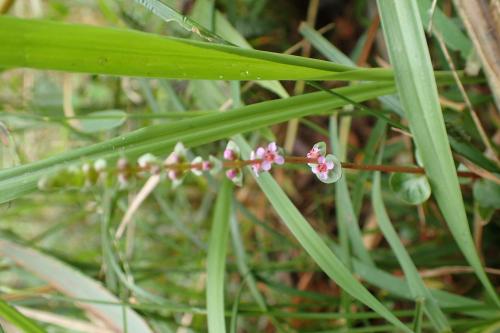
<point>325,166</point>
<point>304,160</point>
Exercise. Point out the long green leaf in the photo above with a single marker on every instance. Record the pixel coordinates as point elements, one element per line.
<point>159,139</point>
<point>16,318</point>
<point>216,261</point>
<point>315,246</point>
<point>417,88</point>
<point>64,278</point>
<point>89,49</point>
<point>80,48</point>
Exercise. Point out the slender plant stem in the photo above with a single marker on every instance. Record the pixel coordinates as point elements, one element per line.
<point>300,160</point>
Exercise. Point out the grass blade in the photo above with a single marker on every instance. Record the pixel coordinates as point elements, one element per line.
<point>415,282</point>
<point>419,314</point>
<point>216,261</point>
<point>15,317</point>
<point>417,88</point>
<point>64,278</point>
<point>80,48</point>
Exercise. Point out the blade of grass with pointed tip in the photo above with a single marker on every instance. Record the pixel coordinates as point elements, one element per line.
<point>159,139</point>
<point>64,278</point>
<point>315,246</point>
<point>16,318</point>
<point>88,49</point>
<point>415,282</point>
<point>80,48</point>
<point>216,261</point>
<point>409,55</point>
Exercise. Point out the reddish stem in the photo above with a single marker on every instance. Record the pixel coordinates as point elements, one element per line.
<point>305,160</point>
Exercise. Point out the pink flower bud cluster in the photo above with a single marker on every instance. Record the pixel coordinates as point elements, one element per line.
<point>265,158</point>
<point>326,167</point>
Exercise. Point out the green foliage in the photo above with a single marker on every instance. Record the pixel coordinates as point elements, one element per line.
<point>305,255</point>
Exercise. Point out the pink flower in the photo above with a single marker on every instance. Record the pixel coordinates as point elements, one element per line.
<point>321,169</point>
<point>205,165</point>
<point>256,165</point>
<point>319,149</point>
<point>229,154</point>
<point>314,153</point>
<point>269,156</point>
<point>232,173</point>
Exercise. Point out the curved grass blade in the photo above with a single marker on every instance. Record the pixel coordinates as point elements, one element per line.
<point>159,139</point>
<point>64,278</point>
<point>409,55</point>
<point>216,261</point>
<point>16,318</point>
<point>315,246</point>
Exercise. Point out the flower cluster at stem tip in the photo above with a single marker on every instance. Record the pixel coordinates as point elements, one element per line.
<point>326,167</point>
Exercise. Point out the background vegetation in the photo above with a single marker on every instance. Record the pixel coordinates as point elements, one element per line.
<point>374,252</point>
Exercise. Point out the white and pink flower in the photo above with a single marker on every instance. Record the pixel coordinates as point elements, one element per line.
<point>266,156</point>
<point>323,167</point>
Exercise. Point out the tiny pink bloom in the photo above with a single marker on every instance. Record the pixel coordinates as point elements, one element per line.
<point>232,173</point>
<point>256,165</point>
<point>229,154</point>
<point>260,153</point>
<point>269,156</point>
<point>321,169</point>
<point>205,165</point>
<point>314,153</point>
